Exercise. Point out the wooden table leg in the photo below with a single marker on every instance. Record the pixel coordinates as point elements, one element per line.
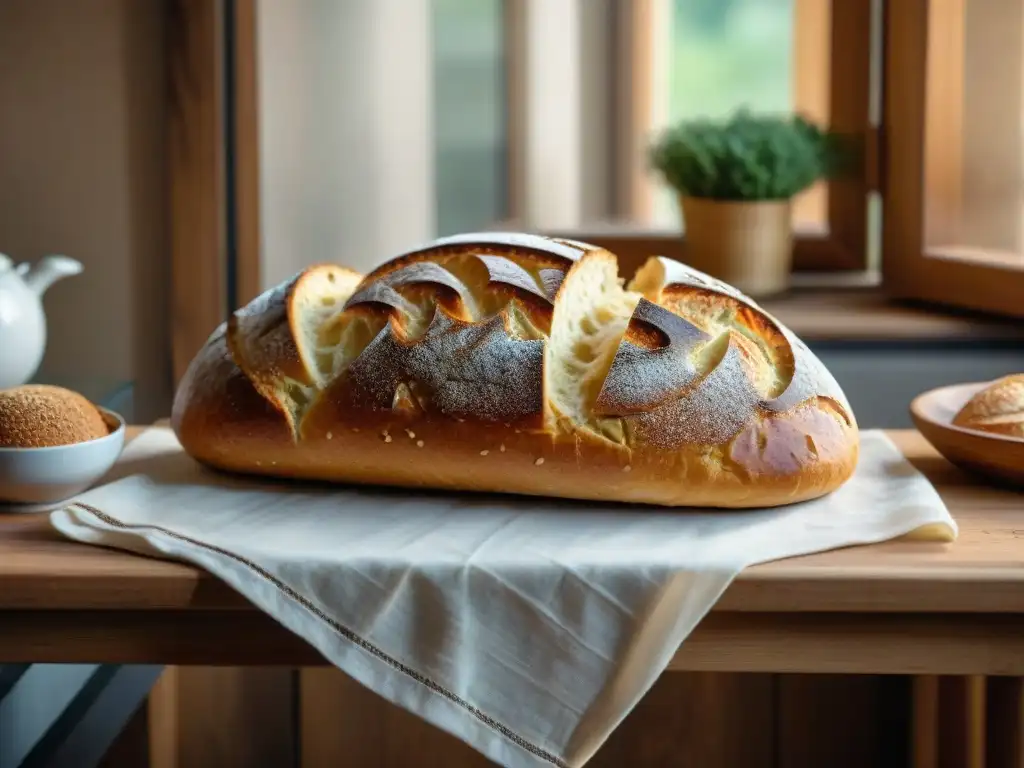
<point>1005,703</point>
<point>215,717</point>
<point>962,721</point>
<point>925,722</point>
<point>953,722</point>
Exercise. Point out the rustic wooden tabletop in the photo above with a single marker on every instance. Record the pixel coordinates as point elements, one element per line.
<point>903,606</point>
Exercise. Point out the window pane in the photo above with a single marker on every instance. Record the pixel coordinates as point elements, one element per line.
<point>469,114</point>
<point>729,53</point>
<point>767,55</point>
<point>974,150</point>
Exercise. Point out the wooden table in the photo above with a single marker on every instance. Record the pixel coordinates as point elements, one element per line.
<point>905,607</point>
<point>900,607</point>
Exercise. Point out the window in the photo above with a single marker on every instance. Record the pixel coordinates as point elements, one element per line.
<point>302,132</point>
<point>725,54</point>
<point>954,224</point>
<point>582,117</point>
<point>469,114</point>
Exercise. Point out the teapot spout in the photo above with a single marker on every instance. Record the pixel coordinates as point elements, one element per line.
<point>47,271</point>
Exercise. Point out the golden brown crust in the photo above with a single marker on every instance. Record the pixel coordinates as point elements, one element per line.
<point>540,253</point>
<point>41,416</point>
<point>997,408</point>
<point>219,416</point>
<point>456,387</point>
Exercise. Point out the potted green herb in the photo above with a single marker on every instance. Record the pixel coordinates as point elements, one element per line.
<point>735,180</point>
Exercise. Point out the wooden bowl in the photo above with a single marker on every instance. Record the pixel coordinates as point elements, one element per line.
<point>996,457</point>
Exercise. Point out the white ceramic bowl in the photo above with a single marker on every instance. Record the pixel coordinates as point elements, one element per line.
<point>34,479</point>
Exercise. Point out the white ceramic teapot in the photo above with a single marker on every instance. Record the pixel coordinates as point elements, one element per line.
<point>22,320</point>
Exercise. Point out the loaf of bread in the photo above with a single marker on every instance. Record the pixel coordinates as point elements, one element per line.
<point>997,408</point>
<point>520,364</point>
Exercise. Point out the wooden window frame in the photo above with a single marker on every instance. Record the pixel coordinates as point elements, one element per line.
<point>911,268</point>
<point>213,167</point>
<point>635,56</point>
<point>196,175</point>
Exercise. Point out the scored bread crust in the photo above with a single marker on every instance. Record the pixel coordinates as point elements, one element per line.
<point>520,364</point>
<point>997,408</point>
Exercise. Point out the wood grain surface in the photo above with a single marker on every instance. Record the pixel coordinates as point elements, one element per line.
<point>868,315</point>
<point>830,612</point>
<point>983,572</point>
<point>849,643</point>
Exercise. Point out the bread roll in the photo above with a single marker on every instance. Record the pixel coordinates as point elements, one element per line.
<point>44,416</point>
<point>997,408</point>
<point>520,364</point>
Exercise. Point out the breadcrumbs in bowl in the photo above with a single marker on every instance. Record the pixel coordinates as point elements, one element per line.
<point>42,416</point>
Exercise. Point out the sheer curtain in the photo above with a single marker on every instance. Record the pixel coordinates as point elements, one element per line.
<point>346,132</point>
<point>385,123</point>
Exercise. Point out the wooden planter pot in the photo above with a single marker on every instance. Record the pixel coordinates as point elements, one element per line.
<point>746,244</point>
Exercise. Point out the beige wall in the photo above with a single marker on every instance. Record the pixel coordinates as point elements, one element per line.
<point>82,173</point>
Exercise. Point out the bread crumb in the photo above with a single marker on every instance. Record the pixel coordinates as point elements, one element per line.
<point>501,447</point>
<point>484,453</point>
<point>411,434</point>
<point>419,443</point>
<point>538,462</point>
<point>627,468</point>
<point>387,437</point>
<point>330,435</point>
<point>41,416</point>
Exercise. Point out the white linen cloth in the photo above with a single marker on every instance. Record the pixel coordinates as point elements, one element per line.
<point>527,627</point>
